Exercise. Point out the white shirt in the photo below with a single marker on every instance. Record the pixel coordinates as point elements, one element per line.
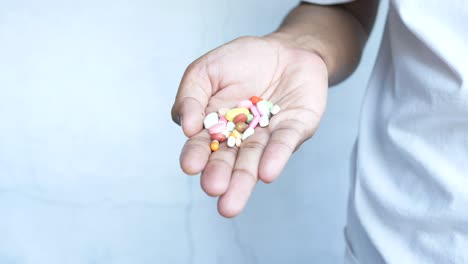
<point>409,193</point>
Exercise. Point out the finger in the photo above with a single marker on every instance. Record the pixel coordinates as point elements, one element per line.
<point>195,153</point>
<point>244,175</point>
<point>192,99</point>
<point>286,137</point>
<point>217,173</point>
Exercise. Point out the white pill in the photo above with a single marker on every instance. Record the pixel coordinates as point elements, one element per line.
<point>230,126</point>
<point>247,133</point>
<point>226,132</point>
<point>264,121</point>
<point>210,120</point>
<point>275,109</point>
<point>231,141</point>
<point>238,142</point>
<point>263,108</point>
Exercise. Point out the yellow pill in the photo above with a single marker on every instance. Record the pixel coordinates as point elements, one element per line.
<point>234,112</point>
<point>214,146</point>
<point>235,134</point>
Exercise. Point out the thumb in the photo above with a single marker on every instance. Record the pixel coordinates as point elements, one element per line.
<point>192,99</point>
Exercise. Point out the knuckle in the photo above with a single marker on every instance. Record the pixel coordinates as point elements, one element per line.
<point>252,144</point>
<point>192,69</point>
<point>246,38</point>
<point>220,161</point>
<point>196,68</point>
<point>248,173</point>
<point>195,141</point>
<point>288,146</point>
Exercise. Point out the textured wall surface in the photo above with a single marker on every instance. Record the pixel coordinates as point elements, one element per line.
<point>89,167</point>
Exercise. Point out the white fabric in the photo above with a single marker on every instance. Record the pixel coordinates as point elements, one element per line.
<point>409,193</point>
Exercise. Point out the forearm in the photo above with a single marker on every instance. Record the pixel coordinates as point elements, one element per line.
<point>335,33</point>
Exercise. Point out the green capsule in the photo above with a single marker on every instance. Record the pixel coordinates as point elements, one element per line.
<point>268,104</point>
<point>249,118</point>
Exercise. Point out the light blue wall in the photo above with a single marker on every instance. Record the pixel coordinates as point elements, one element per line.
<point>89,156</point>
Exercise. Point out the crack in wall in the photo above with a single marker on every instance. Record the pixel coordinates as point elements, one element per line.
<point>244,248</point>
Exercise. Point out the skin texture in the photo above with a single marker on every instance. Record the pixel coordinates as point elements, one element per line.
<point>292,68</point>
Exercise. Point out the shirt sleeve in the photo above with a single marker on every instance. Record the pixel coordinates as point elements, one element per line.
<point>327,2</point>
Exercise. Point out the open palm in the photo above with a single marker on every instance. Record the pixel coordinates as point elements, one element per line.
<point>293,78</point>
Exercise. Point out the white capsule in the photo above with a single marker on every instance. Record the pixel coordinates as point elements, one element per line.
<point>230,126</point>
<point>263,108</point>
<point>238,142</point>
<point>275,109</point>
<point>231,141</point>
<point>210,120</point>
<point>264,121</point>
<point>247,133</point>
<point>226,132</point>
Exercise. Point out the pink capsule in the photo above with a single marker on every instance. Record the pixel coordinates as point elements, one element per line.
<point>254,111</point>
<point>254,122</point>
<point>245,104</point>
<point>223,119</point>
<point>218,128</point>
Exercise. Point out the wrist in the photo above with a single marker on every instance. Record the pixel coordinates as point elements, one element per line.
<point>304,44</point>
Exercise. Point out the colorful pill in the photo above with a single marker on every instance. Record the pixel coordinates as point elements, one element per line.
<point>245,104</point>
<point>222,119</point>
<point>249,118</point>
<point>238,142</point>
<point>268,104</point>
<point>234,112</point>
<point>254,110</point>
<point>220,137</point>
<point>241,127</point>
<point>226,132</point>
<point>263,108</point>
<point>240,118</point>
<point>214,146</point>
<point>235,125</point>
<point>254,122</point>
<point>249,132</point>
<point>231,142</point>
<point>255,99</point>
<point>218,128</point>
<point>275,110</point>
<point>264,121</point>
<point>210,120</point>
<point>230,126</point>
<point>235,134</point>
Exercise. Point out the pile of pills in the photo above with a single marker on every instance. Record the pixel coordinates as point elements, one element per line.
<point>237,124</point>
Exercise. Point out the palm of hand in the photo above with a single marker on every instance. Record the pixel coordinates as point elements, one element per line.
<point>294,79</point>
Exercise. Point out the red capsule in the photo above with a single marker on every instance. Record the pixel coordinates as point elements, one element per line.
<point>255,99</point>
<point>219,137</point>
<point>240,118</point>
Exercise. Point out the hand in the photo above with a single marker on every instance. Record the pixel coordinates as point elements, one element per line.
<point>274,69</point>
